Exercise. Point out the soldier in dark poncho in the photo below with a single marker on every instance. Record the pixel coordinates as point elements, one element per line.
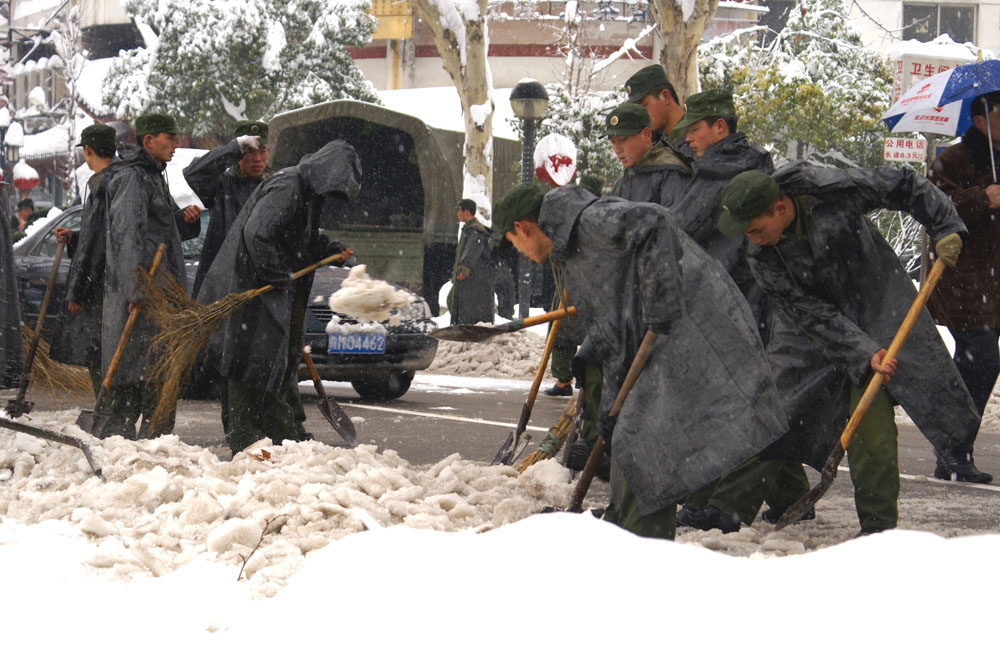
<point>141,216</point>
<point>223,179</point>
<point>78,340</point>
<point>842,293</point>
<point>475,270</point>
<point>705,401</point>
<point>653,172</point>
<point>11,345</point>
<point>259,347</point>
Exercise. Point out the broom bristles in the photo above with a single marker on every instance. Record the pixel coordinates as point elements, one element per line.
<point>184,328</point>
<point>553,440</point>
<point>55,378</point>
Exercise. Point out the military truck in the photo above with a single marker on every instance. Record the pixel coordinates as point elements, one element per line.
<point>403,224</point>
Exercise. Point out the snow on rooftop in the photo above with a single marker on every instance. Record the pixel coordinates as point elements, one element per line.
<point>90,85</point>
<point>439,107</point>
<point>940,47</point>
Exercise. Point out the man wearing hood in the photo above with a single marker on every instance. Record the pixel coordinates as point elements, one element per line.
<point>141,216</point>
<point>78,341</point>
<point>259,346</point>
<point>705,401</point>
<point>844,293</point>
<point>967,299</point>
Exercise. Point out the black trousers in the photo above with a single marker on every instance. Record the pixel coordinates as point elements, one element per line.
<point>977,357</point>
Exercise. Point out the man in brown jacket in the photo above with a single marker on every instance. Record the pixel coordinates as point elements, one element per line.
<point>967,300</point>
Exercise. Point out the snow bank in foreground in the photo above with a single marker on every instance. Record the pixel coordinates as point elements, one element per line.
<point>550,591</point>
<point>167,503</point>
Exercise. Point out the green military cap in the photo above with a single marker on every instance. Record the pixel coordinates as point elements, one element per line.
<point>98,136</point>
<point>640,84</point>
<point>252,128</point>
<point>26,203</point>
<point>154,124</point>
<point>627,119</point>
<point>713,103</point>
<point>593,183</point>
<point>518,202</point>
<point>746,197</point>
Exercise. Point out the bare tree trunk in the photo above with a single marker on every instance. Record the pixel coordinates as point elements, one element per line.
<point>464,58</point>
<point>680,40</point>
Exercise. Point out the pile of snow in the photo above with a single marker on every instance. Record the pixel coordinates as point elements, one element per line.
<point>167,503</point>
<point>368,299</point>
<point>36,225</point>
<point>508,356</point>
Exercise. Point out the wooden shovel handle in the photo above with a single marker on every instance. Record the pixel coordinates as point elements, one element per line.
<point>897,343</point>
<point>547,317</point>
<point>37,334</point>
<point>130,324</point>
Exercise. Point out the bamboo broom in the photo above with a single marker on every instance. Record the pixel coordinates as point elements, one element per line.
<point>553,439</point>
<point>184,328</point>
<point>56,378</point>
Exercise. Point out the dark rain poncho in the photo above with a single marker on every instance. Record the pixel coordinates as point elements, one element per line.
<point>274,236</point>
<point>11,346</point>
<point>78,341</point>
<point>141,215</point>
<point>697,211</point>
<point>220,185</point>
<point>661,177</point>
<point>705,401</point>
<point>841,294</point>
<point>472,297</point>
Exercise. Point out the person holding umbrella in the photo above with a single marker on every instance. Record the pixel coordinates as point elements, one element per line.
<point>967,300</point>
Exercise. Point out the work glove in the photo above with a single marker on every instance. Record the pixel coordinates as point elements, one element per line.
<point>662,328</point>
<point>947,249</point>
<point>248,142</point>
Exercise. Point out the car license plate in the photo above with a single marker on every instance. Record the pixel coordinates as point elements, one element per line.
<point>362,342</point>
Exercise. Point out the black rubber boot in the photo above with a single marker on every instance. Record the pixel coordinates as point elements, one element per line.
<point>960,467</point>
<point>708,518</point>
<point>774,515</point>
<point>580,451</point>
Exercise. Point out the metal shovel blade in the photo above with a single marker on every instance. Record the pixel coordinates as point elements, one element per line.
<point>93,422</point>
<point>808,500</point>
<point>338,418</point>
<point>472,333</point>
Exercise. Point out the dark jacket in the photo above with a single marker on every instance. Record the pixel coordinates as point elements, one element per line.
<point>220,185</point>
<point>11,345</point>
<point>141,215</point>
<point>661,177</point>
<point>276,234</point>
<point>472,297</point>
<point>968,295</point>
<point>697,212</point>
<point>842,294</point>
<point>78,341</point>
<point>705,401</point>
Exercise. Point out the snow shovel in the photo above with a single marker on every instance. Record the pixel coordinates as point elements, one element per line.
<point>587,475</point>
<point>829,472</point>
<point>94,421</point>
<point>505,455</point>
<point>57,437</point>
<point>19,405</point>
<point>479,333</point>
<point>329,407</point>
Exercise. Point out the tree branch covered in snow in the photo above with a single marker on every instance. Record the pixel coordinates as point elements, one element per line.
<point>811,90</point>
<point>259,56</point>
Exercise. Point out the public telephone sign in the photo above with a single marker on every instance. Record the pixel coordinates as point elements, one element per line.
<point>905,149</point>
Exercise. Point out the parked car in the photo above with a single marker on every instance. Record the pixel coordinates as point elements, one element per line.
<point>379,364</point>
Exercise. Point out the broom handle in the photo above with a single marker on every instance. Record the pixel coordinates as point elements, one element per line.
<point>36,336</point>
<point>301,273</point>
<point>127,331</point>
<point>897,343</point>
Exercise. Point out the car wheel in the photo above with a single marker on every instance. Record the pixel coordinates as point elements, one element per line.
<point>383,388</point>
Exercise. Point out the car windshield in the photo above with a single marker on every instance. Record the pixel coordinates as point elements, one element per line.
<point>47,246</point>
<point>192,247</point>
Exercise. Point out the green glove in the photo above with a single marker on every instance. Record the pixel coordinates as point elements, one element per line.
<point>947,249</point>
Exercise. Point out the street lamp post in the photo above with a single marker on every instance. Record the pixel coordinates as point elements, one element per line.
<point>529,101</point>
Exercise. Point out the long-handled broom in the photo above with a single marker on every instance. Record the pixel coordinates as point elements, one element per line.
<point>185,326</point>
<point>58,379</point>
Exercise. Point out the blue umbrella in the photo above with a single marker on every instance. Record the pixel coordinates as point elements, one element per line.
<point>941,103</point>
